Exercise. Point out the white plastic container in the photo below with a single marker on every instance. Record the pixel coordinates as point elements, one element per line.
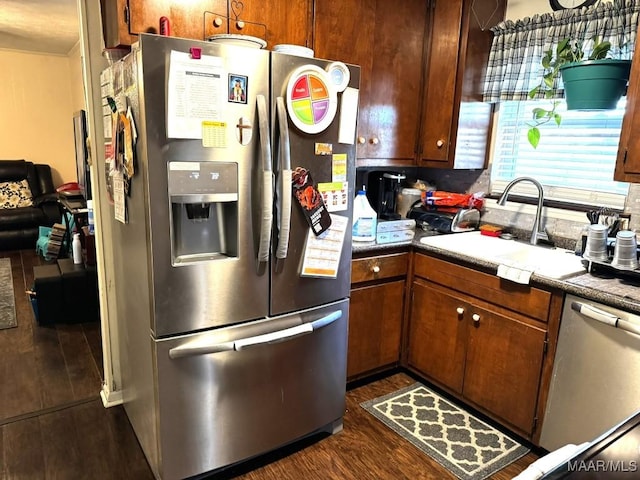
<point>365,219</point>
<point>77,249</point>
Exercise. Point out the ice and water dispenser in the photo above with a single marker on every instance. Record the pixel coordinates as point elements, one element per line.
<point>204,211</point>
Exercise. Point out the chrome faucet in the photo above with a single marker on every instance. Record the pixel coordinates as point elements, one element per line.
<point>538,232</point>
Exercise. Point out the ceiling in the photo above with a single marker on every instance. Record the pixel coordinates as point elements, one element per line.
<point>46,26</point>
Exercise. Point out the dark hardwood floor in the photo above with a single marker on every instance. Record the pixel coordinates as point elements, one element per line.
<point>44,367</point>
<point>53,424</point>
<point>87,441</point>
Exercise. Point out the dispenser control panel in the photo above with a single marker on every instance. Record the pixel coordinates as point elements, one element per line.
<point>203,178</point>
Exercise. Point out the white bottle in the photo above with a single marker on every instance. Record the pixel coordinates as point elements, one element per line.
<point>365,219</point>
<point>77,249</point>
<point>90,217</point>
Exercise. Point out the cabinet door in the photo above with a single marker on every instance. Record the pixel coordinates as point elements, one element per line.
<point>437,334</point>
<point>277,21</point>
<point>375,323</point>
<point>187,19</point>
<point>386,39</point>
<point>442,70</point>
<point>503,366</point>
<point>115,27</point>
<point>456,123</point>
<point>628,161</point>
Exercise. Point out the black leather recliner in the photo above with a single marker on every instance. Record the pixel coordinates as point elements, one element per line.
<point>19,226</point>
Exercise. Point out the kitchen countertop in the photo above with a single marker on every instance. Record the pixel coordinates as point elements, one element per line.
<point>600,287</point>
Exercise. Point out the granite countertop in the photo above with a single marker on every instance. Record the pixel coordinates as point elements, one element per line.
<point>601,287</point>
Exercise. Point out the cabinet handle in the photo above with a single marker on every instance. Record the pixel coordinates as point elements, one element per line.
<point>217,22</point>
<point>439,144</point>
<point>375,141</point>
<point>476,318</point>
<point>460,310</point>
<point>240,24</point>
<point>375,269</point>
<point>361,140</point>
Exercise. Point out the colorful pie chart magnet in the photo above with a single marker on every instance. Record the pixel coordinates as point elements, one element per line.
<point>312,99</point>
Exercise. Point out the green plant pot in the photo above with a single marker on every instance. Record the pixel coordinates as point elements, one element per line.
<point>595,84</point>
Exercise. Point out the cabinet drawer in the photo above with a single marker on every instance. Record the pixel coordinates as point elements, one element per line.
<point>376,268</point>
<point>524,299</point>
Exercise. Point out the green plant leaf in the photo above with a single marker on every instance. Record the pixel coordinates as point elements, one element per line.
<point>548,80</point>
<point>533,92</point>
<point>539,113</point>
<point>533,135</point>
<point>562,46</point>
<point>600,50</point>
<point>558,118</point>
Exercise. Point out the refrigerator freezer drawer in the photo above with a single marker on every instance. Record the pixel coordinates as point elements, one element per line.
<point>227,395</point>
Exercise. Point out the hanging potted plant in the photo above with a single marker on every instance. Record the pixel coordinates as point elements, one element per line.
<point>594,83</point>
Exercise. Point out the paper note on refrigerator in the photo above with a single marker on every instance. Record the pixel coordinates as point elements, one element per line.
<point>195,94</point>
<point>119,201</point>
<point>335,195</point>
<point>322,253</point>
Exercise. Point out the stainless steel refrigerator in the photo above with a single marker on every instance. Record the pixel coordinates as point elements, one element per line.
<point>232,286</point>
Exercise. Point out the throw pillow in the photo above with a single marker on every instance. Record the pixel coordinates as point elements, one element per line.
<point>15,194</point>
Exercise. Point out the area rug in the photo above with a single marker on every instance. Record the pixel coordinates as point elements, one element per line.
<point>7,301</point>
<point>465,445</point>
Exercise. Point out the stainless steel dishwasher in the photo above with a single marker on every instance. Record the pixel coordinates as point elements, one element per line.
<point>596,373</point>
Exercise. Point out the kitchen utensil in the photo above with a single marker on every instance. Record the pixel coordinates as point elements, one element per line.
<point>625,256</point>
<point>596,248</point>
<point>593,215</point>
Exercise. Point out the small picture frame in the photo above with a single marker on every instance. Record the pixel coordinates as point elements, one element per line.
<point>238,88</point>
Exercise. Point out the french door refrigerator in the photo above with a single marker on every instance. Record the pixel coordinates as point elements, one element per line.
<point>233,243</point>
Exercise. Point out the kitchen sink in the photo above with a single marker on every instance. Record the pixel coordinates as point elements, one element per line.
<point>545,261</point>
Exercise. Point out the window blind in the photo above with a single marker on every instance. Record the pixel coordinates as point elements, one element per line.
<point>574,161</point>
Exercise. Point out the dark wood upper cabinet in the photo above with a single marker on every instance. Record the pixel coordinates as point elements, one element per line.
<point>386,39</point>
<point>456,124</point>
<point>628,161</point>
<point>277,22</point>
<point>281,22</point>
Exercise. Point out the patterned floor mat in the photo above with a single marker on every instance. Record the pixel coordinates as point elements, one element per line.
<point>465,445</point>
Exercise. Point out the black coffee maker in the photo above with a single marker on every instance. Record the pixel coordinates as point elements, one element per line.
<point>382,190</point>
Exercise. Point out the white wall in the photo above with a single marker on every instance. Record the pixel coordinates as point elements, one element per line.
<point>38,94</point>
<point>517,9</point>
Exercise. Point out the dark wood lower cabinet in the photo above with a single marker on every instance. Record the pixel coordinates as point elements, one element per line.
<point>437,336</point>
<point>472,346</point>
<point>375,324</point>
<point>503,366</point>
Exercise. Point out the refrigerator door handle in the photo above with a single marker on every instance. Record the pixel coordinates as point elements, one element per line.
<point>199,348</point>
<point>266,214</point>
<point>326,320</point>
<point>288,333</point>
<point>202,348</point>
<point>284,217</point>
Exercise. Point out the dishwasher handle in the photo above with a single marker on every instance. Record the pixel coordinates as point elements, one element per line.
<point>605,317</point>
